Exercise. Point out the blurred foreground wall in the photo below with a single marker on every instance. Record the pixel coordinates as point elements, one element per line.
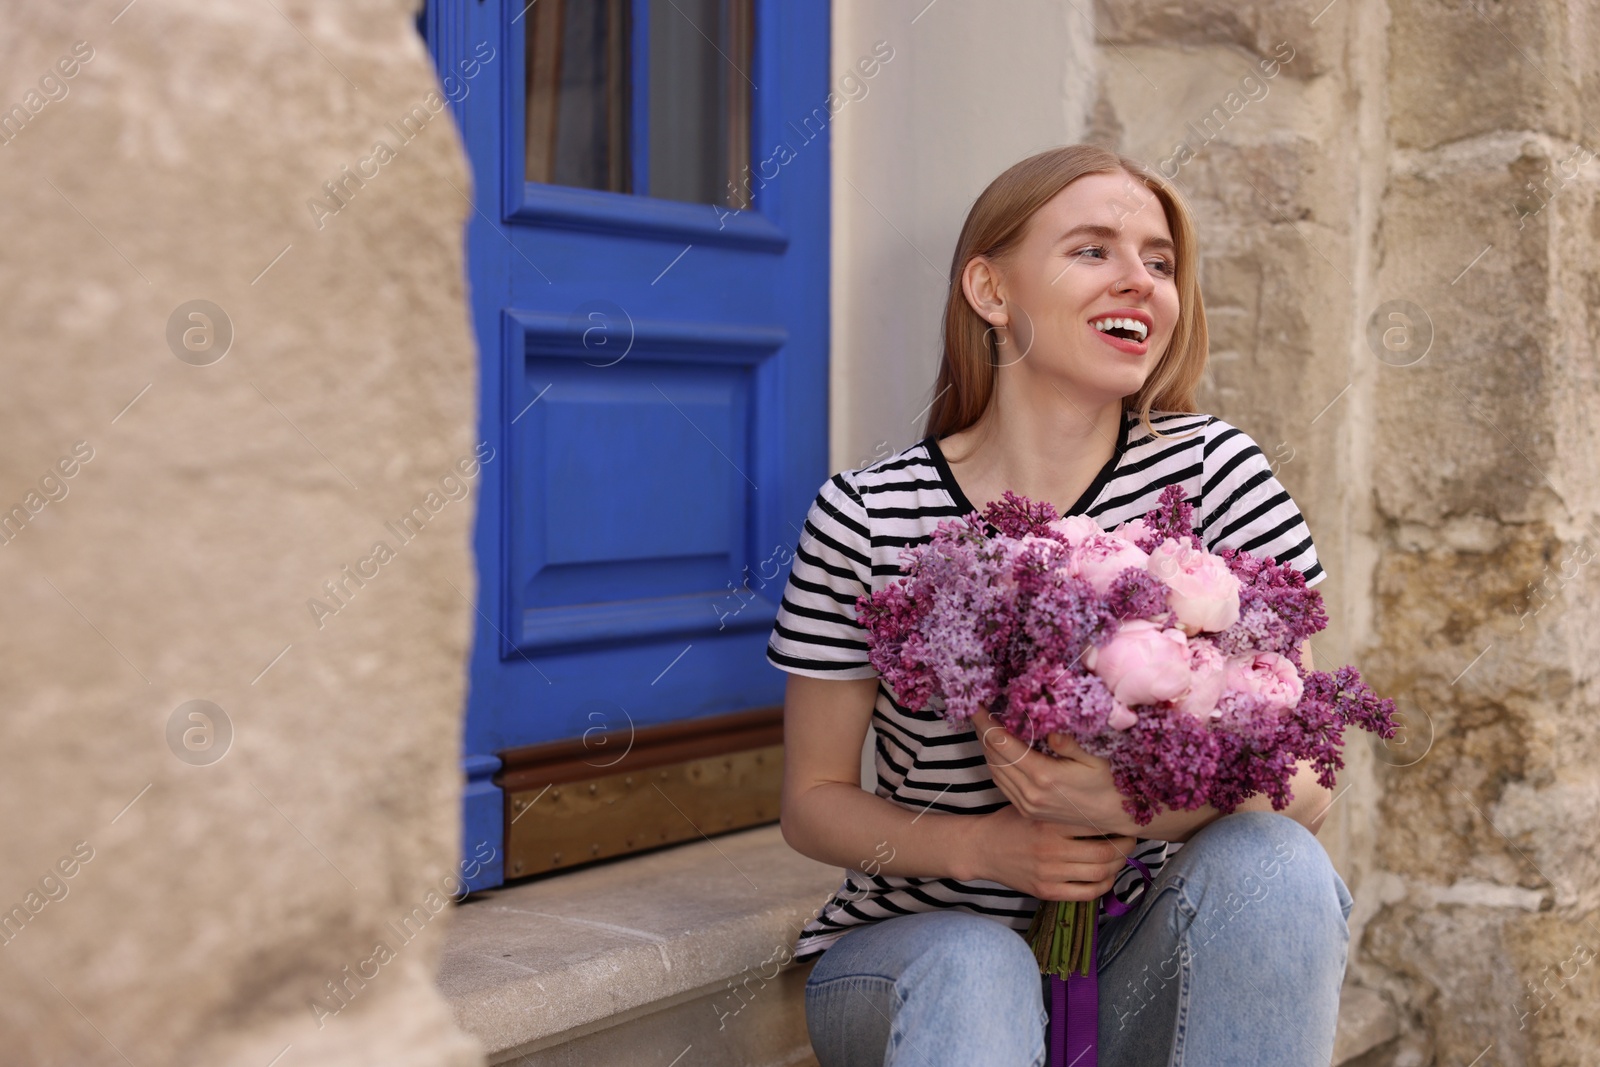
<point>215,397</point>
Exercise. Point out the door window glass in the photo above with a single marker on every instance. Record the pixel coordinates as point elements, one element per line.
<point>584,116</point>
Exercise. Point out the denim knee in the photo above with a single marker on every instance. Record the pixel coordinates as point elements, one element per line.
<point>970,945</point>
<point>933,988</point>
<point>979,970</point>
<point>1255,908</point>
<point>1252,855</point>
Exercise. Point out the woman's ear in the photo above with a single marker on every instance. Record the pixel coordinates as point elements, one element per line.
<point>980,283</point>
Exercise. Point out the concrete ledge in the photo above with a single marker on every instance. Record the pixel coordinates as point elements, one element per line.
<point>620,962</point>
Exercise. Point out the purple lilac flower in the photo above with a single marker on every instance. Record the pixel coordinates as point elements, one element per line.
<point>1137,594</point>
<point>1173,516</point>
<point>1167,759</point>
<point>1259,629</point>
<point>1280,590</point>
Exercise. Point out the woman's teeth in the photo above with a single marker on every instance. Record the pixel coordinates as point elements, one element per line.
<point>1127,329</point>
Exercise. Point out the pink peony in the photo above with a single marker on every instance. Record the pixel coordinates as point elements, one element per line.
<point>1142,663</point>
<point>1207,678</point>
<point>1076,528</point>
<point>1133,531</point>
<point>1099,558</point>
<point>1201,590</point>
<point>1266,676</point>
<point>1121,716</point>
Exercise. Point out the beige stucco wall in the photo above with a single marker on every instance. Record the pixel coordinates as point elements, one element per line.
<point>971,89</point>
<point>217,899</point>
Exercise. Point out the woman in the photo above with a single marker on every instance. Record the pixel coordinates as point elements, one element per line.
<point>1074,336</point>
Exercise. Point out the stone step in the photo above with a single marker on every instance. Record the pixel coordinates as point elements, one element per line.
<point>640,960</point>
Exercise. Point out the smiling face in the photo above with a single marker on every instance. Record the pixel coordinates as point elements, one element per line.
<point>1088,295</point>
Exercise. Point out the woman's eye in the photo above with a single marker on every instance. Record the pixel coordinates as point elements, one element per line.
<point>1163,267</point>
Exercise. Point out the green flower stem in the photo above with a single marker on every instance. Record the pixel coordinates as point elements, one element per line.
<point>1062,936</point>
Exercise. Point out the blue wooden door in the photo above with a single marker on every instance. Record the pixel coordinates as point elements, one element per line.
<point>647,261</point>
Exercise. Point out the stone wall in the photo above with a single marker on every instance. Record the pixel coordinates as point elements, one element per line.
<point>183,889</point>
<point>1404,321</point>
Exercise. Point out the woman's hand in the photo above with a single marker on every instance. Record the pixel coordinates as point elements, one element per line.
<point>1076,790</point>
<point>1045,859</point>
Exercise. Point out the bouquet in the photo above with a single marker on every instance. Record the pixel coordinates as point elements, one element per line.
<point>1179,666</point>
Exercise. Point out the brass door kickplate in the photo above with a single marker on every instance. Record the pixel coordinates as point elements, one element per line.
<point>579,821</point>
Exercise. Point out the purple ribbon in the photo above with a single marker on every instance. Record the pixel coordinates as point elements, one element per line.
<point>1075,1002</point>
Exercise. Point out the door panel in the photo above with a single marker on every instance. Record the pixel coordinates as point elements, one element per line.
<point>652,323</point>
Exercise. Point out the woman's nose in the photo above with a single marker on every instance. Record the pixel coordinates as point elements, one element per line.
<point>1135,281</point>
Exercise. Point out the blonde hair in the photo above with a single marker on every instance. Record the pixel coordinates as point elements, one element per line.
<point>996,225</point>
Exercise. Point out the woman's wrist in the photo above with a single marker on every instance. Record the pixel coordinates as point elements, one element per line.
<point>968,861</point>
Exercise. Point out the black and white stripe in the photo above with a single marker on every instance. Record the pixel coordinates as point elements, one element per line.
<point>852,539</point>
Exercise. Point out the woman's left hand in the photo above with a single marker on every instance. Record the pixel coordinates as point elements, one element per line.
<point>1075,789</point>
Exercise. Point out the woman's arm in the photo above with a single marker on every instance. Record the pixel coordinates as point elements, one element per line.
<point>1310,804</point>
<point>828,816</point>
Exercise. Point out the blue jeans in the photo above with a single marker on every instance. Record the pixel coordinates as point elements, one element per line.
<point>1234,956</point>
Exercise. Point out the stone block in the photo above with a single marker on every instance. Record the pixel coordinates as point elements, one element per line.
<point>1460,427</point>
<point>1254,29</point>
<point>1462,71</point>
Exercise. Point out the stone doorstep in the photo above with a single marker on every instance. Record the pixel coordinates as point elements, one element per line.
<point>635,960</point>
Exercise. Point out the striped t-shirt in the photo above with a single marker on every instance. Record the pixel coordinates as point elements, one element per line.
<point>853,535</point>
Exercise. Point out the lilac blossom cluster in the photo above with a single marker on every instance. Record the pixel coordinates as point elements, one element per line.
<point>1179,666</point>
